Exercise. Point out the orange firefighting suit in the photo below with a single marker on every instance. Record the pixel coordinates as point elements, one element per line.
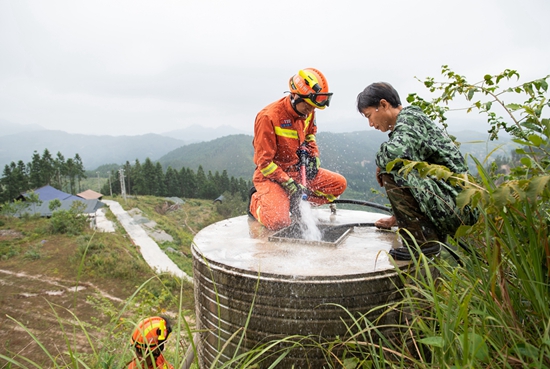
<point>278,132</point>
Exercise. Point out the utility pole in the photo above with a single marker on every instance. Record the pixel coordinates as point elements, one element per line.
<point>122,185</point>
<point>110,188</point>
<point>98,187</point>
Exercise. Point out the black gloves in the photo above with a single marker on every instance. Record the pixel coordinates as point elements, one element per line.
<point>312,167</point>
<point>311,162</point>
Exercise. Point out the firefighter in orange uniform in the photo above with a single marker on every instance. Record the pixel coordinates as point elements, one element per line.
<point>280,131</point>
<point>148,339</point>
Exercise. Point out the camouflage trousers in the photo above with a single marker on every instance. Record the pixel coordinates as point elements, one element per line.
<point>408,214</point>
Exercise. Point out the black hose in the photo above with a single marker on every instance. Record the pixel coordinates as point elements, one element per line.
<point>364,203</point>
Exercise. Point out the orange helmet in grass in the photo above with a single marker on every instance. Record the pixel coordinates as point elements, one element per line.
<point>151,333</point>
<point>311,85</point>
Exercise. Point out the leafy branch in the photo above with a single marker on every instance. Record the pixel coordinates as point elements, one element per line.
<point>530,111</point>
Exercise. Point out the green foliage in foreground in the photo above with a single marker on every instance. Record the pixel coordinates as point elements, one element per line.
<point>70,221</point>
<point>494,311</point>
<point>489,310</point>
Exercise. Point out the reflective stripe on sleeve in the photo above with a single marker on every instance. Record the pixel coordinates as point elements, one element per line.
<point>310,138</point>
<point>327,196</point>
<point>271,167</point>
<point>290,133</point>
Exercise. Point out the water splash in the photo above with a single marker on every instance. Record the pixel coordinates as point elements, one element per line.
<point>308,223</point>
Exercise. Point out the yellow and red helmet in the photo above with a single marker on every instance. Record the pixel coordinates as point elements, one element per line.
<point>151,333</point>
<point>311,85</point>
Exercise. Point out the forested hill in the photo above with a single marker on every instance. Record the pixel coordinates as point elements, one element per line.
<point>232,153</point>
<point>350,154</point>
<point>342,152</point>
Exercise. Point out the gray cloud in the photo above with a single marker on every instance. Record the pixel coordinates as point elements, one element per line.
<point>130,67</point>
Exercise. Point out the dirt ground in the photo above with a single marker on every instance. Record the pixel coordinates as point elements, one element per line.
<point>36,304</point>
<point>41,293</point>
<point>36,295</point>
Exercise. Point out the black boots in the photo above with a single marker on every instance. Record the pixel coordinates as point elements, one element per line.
<point>250,193</point>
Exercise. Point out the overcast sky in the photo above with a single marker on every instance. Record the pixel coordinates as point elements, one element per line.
<point>134,67</point>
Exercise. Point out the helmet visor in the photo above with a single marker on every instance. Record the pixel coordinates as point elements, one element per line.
<point>320,100</point>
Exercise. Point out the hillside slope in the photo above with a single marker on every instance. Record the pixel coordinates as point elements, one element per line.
<point>339,152</point>
<point>232,153</point>
<point>39,271</point>
<point>351,154</point>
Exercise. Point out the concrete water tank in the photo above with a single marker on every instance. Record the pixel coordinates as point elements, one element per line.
<point>253,285</point>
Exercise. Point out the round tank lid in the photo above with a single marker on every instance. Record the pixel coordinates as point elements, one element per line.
<point>244,244</point>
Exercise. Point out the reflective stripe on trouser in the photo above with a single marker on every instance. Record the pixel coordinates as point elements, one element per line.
<point>408,214</point>
<point>270,205</point>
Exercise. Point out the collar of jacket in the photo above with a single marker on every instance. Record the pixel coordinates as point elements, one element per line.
<point>290,108</point>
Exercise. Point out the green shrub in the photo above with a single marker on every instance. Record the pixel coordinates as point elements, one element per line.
<point>10,209</point>
<point>33,252</point>
<point>70,221</point>
<point>9,250</point>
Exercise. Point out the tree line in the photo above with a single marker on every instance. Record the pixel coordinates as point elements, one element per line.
<point>151,179</point>
<point>139,179</point>
<point>63,174</point>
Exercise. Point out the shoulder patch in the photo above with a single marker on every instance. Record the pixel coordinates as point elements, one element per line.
<point>286,123</point>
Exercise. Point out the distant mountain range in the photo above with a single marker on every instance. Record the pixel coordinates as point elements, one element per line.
<point>341,152</point>
<point>196,133</point>
<point>18,142</point>
<point>351,154</point>
<point>9,128</point>
<point>94,150</point>
<point>222,148</point>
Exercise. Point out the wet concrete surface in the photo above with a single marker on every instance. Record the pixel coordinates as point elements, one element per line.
<point>246,246</point>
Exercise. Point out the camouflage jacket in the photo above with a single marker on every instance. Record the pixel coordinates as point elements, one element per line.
<point>415,137</point>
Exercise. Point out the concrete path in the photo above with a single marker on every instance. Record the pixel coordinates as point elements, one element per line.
<point>103,224</point>
<point>151,252</point>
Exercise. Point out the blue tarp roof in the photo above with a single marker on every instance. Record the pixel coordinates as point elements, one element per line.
<point>48,193</point>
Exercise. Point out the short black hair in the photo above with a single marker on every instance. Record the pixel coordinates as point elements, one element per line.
<point>373,93</point>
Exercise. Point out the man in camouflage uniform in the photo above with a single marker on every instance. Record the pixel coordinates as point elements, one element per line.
<point>425,207</point>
